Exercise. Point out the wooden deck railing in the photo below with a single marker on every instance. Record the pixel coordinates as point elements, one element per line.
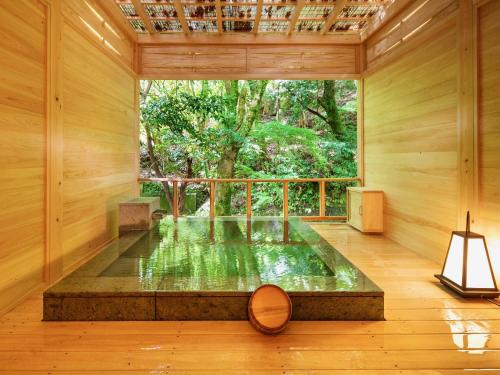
<point>249,182</point>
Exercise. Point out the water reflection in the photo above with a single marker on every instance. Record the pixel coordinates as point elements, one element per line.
<point>468,336</point>
<point>238,254</point>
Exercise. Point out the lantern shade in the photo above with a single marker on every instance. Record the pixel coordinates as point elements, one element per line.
<point>478,267</point>
<point>453,266</point>
<point>467,267</point>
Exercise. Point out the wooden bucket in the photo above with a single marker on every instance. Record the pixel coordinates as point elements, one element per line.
<point>269,309</point>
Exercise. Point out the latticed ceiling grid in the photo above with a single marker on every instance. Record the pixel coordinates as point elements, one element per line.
<point>257,16</point>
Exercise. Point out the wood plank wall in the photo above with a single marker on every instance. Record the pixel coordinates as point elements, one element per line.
<point>411,129</point>
<point>68,131</point>
<point>422,145</point>
<point>99,146</point>
<point>93,23</point>
<point>413,25</point>
<point>22,147</point>
<point>249,62</point>
<point>99,133</point>
<point>488,119</point>
<point>411,144</point>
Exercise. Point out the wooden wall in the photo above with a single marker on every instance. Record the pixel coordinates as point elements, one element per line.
<point>488,121</point>
<point>410,27</point>
<point>432,122</point>
<point>100,139</point>
<point>93,23</point>
<point>411,144</point>
<point>99,133</point>
<point>22,147</point>
<point>68,138</point>
<point>249,62</point>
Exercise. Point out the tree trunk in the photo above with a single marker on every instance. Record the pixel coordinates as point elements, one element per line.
<point>223,191</point>
<point>277,105</point>
<point>156,166</point>
<point>184,185</point>
<point>245,103</point>
<point>328,103</point>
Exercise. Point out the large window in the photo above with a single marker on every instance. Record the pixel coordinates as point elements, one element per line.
<point>249,129</point>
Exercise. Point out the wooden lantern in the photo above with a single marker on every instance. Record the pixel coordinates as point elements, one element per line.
<point>467,268</point>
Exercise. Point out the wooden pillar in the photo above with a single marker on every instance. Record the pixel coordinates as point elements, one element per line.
<point>285,231</point>
<point>258,16</point>
<point>285,200</point>
<point>212,200</point>
<point>212,231</point>
<point>360,129</point>
<point>322,203</point>
<point>218,13</point>
<point>175,235</point>
<point>249,231</point>
<point>467,134</point>
<point>249,200</point>
<point>137,136</point>
<point>175,200</point>
<point>54,124</point>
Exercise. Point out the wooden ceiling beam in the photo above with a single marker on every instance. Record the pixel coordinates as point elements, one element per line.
<point>218,10</point>
<point>249,39</point>
<point>258,15</point>
<point>116,16</point>
<point>366,4</point>
<point>141,11</point>
<point>339,5</point>
<point>370,3</point>
<point>383,16</point>
<point>295,16</point>
<point>113,11</point>
<point>180,15</point>
<point>282,19</point>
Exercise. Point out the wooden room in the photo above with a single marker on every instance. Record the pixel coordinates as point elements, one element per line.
<point>249,187</point>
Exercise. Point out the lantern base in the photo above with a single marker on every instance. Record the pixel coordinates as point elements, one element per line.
<point>471,293</point>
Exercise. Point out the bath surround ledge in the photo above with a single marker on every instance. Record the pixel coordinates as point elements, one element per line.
<point>118,283</point>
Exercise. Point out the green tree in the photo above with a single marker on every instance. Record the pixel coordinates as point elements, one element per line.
<point>317,98</point>
<point>242,109</point>
<point>178,137</point>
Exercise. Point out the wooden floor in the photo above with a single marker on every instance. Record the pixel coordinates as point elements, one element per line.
<point>428,331</point>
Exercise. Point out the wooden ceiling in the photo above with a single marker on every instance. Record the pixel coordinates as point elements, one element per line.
<point>328,19</point>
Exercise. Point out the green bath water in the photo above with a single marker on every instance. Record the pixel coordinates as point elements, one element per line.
<point>231,254</point>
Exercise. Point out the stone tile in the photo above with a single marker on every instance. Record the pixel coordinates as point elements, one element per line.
<point>104,286</point>
<point>235,308</point>
<point>337,308</point>
<point>108,308</point>
<point>52,308</point>
<point>202,308</point>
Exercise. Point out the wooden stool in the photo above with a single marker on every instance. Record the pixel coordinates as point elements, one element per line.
<point>269,309</point>
<point>136,214</point>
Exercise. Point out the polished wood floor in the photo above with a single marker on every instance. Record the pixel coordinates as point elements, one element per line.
<point>428,331</point>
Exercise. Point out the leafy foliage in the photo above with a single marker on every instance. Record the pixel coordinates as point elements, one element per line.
<point>179,127</point>
<point>276,129</point>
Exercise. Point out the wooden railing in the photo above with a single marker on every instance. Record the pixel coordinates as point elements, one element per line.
<point>249,182</point>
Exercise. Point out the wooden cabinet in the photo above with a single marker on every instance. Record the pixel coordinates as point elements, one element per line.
<point>365,209</point>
